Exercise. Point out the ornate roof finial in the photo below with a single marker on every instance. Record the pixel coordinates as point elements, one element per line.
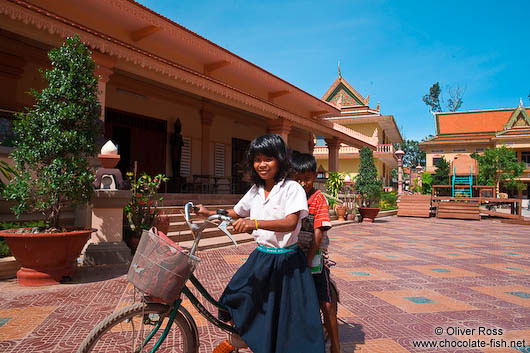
<point>520,102</point>
<point>340,76</point>
<point>378,104</point>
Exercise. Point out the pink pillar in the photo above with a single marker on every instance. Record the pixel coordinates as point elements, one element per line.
<point>281,127</point>
<point>333,154</point>
<point>206,124</point>
<point>103,70</point>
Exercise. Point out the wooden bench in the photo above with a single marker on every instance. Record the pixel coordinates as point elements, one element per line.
<point>414,206</point>
<point>458,210</point>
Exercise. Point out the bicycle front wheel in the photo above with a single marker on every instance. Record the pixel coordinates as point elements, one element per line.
<point>128,330</point>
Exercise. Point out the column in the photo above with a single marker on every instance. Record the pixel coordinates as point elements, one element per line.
<point>333,154</point>
<point>281,127</point>
<point>103,70</point>
<point>399,154</point>
<point>206,124</point>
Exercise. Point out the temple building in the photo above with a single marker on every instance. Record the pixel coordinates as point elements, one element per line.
<point>466,132</point>
<point>355,114</point>
<point>172,101</point>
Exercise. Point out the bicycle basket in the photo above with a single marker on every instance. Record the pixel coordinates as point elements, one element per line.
<point>160,268</point>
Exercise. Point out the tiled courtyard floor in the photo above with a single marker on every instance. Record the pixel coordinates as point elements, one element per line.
<point>400,279</point>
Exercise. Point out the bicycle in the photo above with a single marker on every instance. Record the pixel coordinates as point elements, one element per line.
<point>137,327</point>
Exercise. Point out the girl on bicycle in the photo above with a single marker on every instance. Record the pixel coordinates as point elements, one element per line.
<point>272,299</point>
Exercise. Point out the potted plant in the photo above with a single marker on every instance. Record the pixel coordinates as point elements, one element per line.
<point>368,186</point>
<point>53,143</point>
<point>142,212</point>
<point>334,184</point>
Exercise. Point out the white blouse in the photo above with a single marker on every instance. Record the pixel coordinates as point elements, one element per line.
<point>285,198</point>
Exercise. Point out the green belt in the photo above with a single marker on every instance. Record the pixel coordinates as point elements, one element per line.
<point>268,250</point>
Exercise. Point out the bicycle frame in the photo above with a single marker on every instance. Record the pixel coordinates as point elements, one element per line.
<point>188,293</point>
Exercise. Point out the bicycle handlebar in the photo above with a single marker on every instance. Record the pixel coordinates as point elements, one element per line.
<point>196,230</point>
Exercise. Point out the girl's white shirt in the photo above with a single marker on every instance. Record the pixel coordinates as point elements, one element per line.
<point>285,198</point>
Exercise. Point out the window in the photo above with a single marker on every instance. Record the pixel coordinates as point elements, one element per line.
<point>6,128</point>
<point>459,150</point>
<point>437,151</point>
<point>219,159</point>
<point>185,157</point>
<point>525,158</point>
<point>435,160</point>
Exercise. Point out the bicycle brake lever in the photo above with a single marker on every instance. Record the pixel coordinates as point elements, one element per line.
<point>223,226</point>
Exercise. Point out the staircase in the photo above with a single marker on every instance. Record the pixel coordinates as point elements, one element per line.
<point>211,237</point>
<point>462,185</point>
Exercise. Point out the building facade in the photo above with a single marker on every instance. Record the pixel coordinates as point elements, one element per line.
<point>162,88</point>
<point>473,131</point>
<point>356,114</point>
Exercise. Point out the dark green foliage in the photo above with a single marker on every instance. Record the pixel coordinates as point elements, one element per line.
<point>499,165</point>
<point>334,184</point>
<point>413,155</point>
<point>4,249</point>
<point>55,138</point>
<point>432,99</point>
<point>441,174</point>
<point>388,200</point>
<point>367,183</point>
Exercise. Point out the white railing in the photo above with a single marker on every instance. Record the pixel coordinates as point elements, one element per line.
<point>323,150</point>
<point>386,148</point>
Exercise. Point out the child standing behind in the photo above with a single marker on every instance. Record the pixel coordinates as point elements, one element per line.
<point>314,241</point>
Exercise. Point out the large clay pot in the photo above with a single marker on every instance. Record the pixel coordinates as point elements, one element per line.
<point>46,258</point>
<point>341,212</point>
<point>368,214</point>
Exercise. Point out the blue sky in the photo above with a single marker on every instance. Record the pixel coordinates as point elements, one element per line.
<point>391,50</point>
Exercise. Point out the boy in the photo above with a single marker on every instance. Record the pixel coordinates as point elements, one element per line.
<point>313,237</point>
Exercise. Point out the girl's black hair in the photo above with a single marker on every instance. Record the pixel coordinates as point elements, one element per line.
<point>270,145</point>
<point>304,162</point>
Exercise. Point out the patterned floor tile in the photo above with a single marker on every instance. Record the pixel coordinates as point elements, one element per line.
<point>19,322</point>
<point>362,274</point>
<point>519,295</point>
<point>510,268</point>
<point>442,271</point>
<point>421,301</point>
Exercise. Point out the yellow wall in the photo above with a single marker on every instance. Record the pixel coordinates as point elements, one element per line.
<point>367,129</point>
<point>449,154</point>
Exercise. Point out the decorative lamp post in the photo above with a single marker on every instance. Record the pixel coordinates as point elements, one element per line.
<point>419,171</point>
<point>399,154</point>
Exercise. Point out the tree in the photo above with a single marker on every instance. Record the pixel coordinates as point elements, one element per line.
<point>413,155</point>
<point>367,184</point>
<point>499,165</point>
<point>55,138</point>
<point>441,174</point>
<point>434,98</point>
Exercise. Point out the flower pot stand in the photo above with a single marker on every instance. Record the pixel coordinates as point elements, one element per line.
<point>106,245</point>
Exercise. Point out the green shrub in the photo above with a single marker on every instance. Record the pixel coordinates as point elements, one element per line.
<point>367,183</point>
<point>56,137</point>
<point>4,249</point>
<point>388,200</point>
<point>426,183</point>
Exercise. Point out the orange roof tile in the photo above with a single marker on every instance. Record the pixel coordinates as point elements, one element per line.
<point>479,121</point>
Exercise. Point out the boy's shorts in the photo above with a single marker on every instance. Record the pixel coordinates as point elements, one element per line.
<point>323,286</point>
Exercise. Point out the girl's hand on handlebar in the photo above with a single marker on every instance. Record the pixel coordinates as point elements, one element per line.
<point>203,211</point>
<point>246,225</point>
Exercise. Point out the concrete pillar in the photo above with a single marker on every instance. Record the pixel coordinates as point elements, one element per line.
<point>399,154</point>
<point>206,124</point>
<point>333,154</point>
<point>281,127</point>
<point>103,70</point>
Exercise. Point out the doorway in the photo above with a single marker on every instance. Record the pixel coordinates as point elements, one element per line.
<point>139,139</point>
<point>240,183</point>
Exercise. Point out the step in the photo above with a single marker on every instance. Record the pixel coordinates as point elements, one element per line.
<point>218,242</point>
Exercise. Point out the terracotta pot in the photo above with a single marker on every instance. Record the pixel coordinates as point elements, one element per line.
<point>341,212</point>
<point>350,217</point>
<point>368,214</point>
<point>45,257</point>
<point>109,160</point>
<point>162,223</point>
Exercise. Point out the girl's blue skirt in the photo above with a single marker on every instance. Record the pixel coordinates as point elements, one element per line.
<point>273,303</point>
